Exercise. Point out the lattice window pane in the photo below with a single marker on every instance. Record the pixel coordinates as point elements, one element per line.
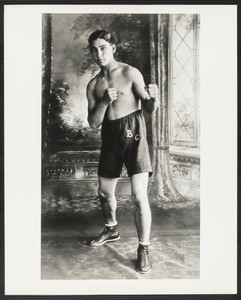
<point>183,80</point>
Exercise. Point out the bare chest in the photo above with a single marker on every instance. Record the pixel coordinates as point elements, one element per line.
<point>118,81</point>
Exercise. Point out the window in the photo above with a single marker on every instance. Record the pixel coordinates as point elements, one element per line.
<point>184,80</point>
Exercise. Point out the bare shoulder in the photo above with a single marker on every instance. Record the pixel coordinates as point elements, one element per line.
<point>131,72</point>
<point>92,83</point>
<point>94,80</point>
<point>90,90</point>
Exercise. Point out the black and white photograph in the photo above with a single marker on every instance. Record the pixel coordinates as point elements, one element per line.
<point>121,159</point>
<point>122,114</point>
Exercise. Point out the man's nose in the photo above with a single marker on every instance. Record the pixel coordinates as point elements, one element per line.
<point>99,54</point>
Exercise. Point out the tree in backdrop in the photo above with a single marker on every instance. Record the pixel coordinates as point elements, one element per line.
<point>59,130</point>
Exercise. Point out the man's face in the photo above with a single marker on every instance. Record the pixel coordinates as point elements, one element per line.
<point>102,52</point>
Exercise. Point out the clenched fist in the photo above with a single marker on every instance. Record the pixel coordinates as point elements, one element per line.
<point>152,90</point>
<point>110,95</point>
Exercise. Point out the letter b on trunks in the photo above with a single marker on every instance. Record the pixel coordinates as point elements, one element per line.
<point>129,133</point>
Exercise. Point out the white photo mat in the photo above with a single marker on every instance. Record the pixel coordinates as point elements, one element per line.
<point>218,201</point>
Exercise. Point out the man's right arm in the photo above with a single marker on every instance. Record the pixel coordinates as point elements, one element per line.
<point>97,109</point>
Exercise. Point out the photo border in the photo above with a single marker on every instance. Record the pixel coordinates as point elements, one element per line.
<point>2,228</point>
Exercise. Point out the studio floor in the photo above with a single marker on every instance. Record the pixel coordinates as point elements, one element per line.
<point>68,224</point>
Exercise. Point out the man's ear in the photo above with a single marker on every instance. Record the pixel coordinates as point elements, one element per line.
<point>113,48</point>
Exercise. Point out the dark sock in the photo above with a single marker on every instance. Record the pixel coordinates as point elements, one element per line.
<point>112,228</point>
<point>143,247</point>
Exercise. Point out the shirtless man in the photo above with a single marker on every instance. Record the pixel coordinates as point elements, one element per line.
<point>114,98</point>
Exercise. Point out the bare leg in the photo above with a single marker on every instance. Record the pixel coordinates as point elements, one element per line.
<point>143,220</point>
<point>142,209</point>
<point>106,193</point>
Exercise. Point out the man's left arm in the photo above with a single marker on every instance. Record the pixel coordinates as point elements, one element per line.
<point>149,95</point>
<point>153,102</point>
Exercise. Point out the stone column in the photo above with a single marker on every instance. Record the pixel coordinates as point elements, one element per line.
<point>161,186</point>
<point>46,76</point>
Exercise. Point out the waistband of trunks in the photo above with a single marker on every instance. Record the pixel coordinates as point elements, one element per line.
<point>135,113</point>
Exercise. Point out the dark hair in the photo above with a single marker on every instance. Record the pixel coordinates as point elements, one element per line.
<point>101,34</point>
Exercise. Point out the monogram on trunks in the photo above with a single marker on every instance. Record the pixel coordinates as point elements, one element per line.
<point>129,134</point>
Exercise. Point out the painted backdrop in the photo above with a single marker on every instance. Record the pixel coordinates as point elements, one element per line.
<point>73,68</point>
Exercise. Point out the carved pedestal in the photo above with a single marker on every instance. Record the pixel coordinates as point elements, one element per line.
<point>74,173</point>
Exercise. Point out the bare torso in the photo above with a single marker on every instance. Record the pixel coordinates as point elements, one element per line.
<point>126,102</point>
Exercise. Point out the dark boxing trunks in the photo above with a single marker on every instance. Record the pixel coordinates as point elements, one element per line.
<point>124,142</point>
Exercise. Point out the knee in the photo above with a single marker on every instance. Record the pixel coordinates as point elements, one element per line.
<point>104,195</point>
<point>139,196</point>
<point>140,199</point>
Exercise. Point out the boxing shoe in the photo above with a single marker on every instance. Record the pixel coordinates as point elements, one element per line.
<point>109,234</point>
<point>143,261</point>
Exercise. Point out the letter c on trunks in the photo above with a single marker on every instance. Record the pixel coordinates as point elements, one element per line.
<point>137,137</point>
